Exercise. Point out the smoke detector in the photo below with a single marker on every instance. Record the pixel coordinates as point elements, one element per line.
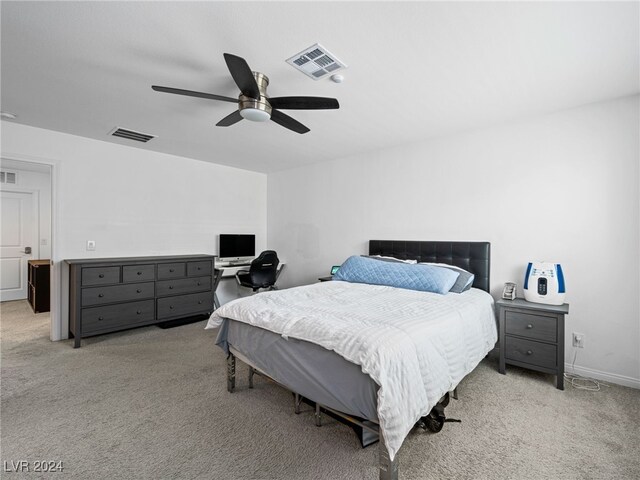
<point>316,62</point>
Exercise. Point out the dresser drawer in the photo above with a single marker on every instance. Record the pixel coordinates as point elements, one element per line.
<point>183,285</point>
<point>138,273</point>
<point>533,326</point>
<point>171,270</point>
<point>116,293</point>
<point>195,269</point>
<point>119,316</point>
<point>527,351</point>
<point>100,275</point>
<point>181,305</point>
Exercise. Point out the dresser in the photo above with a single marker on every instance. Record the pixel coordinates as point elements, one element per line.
<point>38,293</point>
<point>112,294</point>
<point>532,336</point>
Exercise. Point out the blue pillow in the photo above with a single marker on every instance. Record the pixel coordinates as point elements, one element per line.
<point>424,278</point>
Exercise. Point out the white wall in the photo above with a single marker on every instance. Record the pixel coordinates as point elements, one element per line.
<point>561,188</point>
<point>135,202</point>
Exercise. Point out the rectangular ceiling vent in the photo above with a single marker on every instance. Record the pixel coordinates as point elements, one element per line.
<point>131,135</point>
<point>316,62</point>
<point>8,177</point>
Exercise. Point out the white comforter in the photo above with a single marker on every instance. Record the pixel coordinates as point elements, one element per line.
<point>415,345</point>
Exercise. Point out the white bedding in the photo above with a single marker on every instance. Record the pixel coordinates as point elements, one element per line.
<point>415,345</point>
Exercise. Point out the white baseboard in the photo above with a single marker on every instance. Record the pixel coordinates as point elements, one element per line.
<point>604,376</point>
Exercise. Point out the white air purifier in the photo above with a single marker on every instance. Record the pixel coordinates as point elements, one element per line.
<point>544,283</point>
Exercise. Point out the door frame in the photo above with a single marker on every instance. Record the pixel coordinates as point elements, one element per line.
<point>35,211</point>
<point>57,330</point>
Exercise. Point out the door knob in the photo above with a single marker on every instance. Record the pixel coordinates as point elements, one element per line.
<point>27,250</point>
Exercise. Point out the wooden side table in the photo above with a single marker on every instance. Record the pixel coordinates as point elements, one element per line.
<point>38,293</point>
<point>532,336</point>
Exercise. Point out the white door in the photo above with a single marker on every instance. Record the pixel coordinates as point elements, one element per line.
<point>18,233</point>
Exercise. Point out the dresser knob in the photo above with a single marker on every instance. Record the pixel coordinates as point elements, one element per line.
<point>170,307</point>
<point>529,352</point>
<point>171,270</point>
<point>138,312</point>
<point>199,302</point>
<point>100,318</point>
<point>139,273</point>
<point>199,268</point>
<point>139,291</point>
<point>170,287</point>
<point>100,295</point>
<point>198,284</point>
<point>529,326</point>
<point>101,275</point>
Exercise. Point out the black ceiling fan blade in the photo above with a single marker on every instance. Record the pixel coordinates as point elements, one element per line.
<point>304,103</point>
<point>190,93</point>
<point>287,122</point>
<point>229,120</point>
<point>242,75</point>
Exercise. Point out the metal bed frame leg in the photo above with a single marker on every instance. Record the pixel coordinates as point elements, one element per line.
<point>231,373</point>
<point>296,403</point>
<point>455,393</point>
<point>251,373</point>
<point>318,416</point>
<point>388,467</point>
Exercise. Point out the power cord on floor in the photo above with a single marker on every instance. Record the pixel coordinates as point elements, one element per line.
<point>579,382</point>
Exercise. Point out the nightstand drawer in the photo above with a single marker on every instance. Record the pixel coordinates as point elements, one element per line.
<point>528,325</point>
<point>527,351</point>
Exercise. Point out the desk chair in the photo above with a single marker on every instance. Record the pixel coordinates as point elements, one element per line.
<point>263,272</point>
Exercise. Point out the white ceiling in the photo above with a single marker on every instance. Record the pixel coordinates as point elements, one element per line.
<point>416,70</point>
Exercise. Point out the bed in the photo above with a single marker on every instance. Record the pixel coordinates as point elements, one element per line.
<point>375,354</point>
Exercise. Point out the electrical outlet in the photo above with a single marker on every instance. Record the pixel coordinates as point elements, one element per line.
<point>578,340</point>
<point>91,245</point>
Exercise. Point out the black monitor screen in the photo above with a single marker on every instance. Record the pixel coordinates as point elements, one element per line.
<point>234,246</point>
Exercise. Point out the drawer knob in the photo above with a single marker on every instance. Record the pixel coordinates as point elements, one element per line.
<point>101,275</point>
<point>139,273</point>
<point>170,307</point>
<point>199,302</point>
<point>138,312</point>
<point>198,283</point>
<point>171,270</point>
<point>100,318</point>
<point>199,268</point>
<point>100,295</point>
<point>529,326</point>
<point>170,287</point>
<point>139,291</point>
<point>529,352</point>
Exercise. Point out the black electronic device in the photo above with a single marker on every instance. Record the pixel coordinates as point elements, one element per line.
<point>237,246</point>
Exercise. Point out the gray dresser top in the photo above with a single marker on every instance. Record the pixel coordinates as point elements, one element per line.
<point>124,260</point>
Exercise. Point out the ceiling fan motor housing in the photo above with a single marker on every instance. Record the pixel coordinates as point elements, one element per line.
<point>258,110</point>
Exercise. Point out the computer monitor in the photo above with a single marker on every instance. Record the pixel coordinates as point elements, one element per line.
<point>234,247</point>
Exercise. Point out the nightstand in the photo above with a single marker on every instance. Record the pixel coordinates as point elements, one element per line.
<point>326,279</point>
<point>532,336</point>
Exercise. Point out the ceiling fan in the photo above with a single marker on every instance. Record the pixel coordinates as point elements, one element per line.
<point>253,102</point>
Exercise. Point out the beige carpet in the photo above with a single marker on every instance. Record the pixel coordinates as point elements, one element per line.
<point>152,403</point>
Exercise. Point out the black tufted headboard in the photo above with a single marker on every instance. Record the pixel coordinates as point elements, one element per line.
<point>475,257</point>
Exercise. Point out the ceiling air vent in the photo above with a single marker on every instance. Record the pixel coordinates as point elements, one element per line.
<point>131,135</point>
<point>316,62</point>
<point>8,177</point>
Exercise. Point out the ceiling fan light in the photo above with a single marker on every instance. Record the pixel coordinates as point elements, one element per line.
<point>255,114</point>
